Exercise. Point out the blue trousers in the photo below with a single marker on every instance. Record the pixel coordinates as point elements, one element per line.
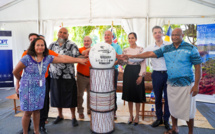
<point>159,82</point>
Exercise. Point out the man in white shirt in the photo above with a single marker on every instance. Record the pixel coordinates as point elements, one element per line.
<point>159,79</point>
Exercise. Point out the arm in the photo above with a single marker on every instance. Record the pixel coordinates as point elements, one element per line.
<point>16,72</point>
<point>142,72</point>
<point>121,61</point>
<point>23,54</point>
<point>68,59</point>
<point>116,62</point>
<point>143,68</point>
<point>118,51</point>
<point>86,52</point>
<point>198,74</point>
<point>119,57</point>
<point>149,54</point>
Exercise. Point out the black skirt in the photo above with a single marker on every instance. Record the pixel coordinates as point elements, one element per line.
<point>131,91</point>
<point>63,93</point>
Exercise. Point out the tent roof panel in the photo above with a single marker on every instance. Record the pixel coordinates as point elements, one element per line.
<point>119,8</point>
<point>74,9</point>
<point>89,10</point>
<point>176,8</point>
<point>24,10</point>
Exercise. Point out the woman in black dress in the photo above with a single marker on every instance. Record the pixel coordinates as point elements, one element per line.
<point>133,79</point>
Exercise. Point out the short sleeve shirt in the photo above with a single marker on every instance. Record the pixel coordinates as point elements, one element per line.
<point>63,70</point>
<point>158,64</point>
<point>50,53</point>
<point>179,62</point>
<point>84,69</point>
<point>118,51</point>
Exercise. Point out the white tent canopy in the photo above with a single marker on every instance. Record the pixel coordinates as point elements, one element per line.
<point>41,16</point>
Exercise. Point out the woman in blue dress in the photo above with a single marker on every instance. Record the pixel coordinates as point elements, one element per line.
<point>32,83</point>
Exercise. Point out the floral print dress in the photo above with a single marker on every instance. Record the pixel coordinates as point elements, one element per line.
<point>31,93</point>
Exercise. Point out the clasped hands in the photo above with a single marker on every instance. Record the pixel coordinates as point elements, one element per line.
<point>85,53</point>
<point>123,57</point>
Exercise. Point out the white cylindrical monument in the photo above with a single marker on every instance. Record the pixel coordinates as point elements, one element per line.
<point>102,92</point>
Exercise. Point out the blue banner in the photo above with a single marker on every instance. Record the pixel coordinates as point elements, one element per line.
<point>206,41</point>
<point>6,59</point>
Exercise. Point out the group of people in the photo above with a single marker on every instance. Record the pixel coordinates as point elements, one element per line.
<point>168,78</point>
<point>182,84</point>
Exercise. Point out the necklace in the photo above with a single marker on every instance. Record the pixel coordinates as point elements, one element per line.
<point>40,68</point>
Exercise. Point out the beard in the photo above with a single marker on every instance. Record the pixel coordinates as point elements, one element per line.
<point>61,41</point>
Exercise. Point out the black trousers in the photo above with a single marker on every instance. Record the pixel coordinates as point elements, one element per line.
<point>116,73</point>
<point>45,110</point>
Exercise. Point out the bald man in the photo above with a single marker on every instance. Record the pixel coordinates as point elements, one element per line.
<point>182,88</point>
<point>109,39</point>
<point>63,84</point>
<point>83,79</point>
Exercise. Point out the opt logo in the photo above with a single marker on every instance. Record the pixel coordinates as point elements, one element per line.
<point>3,41</point>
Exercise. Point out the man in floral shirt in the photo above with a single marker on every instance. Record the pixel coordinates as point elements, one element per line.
<point>63,83</point>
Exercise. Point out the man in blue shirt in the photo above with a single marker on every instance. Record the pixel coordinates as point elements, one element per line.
<point>182,87</point>
<point>108,39</point>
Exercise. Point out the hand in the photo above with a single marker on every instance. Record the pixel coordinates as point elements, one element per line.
<point>194,91</point>
<point>119,57</point>
<point>17,87</point>
<point>139,80</point>
<point>127,56</point>
<point>86,52</point>
<point>122,57</point>
<point>83,61</point>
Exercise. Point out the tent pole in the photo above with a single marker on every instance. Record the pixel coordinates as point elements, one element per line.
<point>38,16</point>
<point>147,25</point>
<point>90,20</point>
<point>147,31</point>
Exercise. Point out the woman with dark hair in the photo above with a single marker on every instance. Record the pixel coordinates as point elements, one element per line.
<point>133,79</point>
<point>32,84</point>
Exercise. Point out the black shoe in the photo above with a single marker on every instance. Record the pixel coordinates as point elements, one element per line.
<point>74,122</point>
<point>43,130</point>
<point>136,123</point>
<point>58,120</point>
<point>157,123</point>
<point>167,125</point>
<point>20,132</point>
<point>129,122</point>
